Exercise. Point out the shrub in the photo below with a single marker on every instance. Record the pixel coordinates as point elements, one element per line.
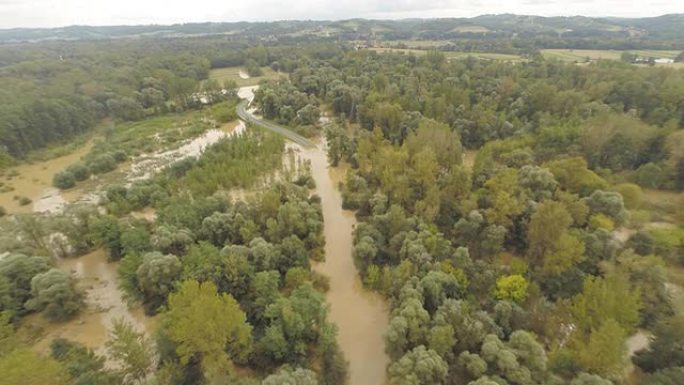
<point>64,180</point>
<point>102,163</point>
<point>3,212</point>
<point>631,194</point>
<point>649,175</point>
<point>23,201</point>
<point>80,171</point>
<point>601,221</point>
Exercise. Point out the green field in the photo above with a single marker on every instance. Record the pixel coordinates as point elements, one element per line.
<point>233,73</point>
<point>452,54</point>
<point>581,55</point>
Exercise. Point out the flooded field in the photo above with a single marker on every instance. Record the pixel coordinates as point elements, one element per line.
<point>360,315</point>
<point>35,182</point>
<point>104,305</point>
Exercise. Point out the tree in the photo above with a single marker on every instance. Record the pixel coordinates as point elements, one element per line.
<point>606,351</point>
<point>548,223</point>
<point>157,275</point>
<point>16,273</point>
<point>669,376</point>
<point>308,115</point>
<point>131,349</point>
<point>25,367</point>
<point>288,376</point>
<point>606,298</point>
<point>203,323</point>
<point>420,366</point>
<point>667,347</point>
<point>83,365</point>
<point>609,203</point>
<point>55,292</point>
<point>511,287</point>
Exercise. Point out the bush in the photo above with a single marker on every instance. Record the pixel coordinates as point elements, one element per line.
<point>55,292</point>
<point>650,175</point>
<point>64,180</point>
<point>224,112</point>
<point>102,163</point>
<point>120,156</point>
<point>80,171</point>
<point>3,212</point>
<point>631,194</point>
<point>601,221</point>
<point>23,201</point>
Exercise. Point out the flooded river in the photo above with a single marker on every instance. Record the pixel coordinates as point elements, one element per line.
<point>360,315</point>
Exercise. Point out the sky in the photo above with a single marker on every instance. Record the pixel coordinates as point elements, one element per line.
<point>56,13</point>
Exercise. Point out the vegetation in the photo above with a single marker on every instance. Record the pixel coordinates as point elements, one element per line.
<point>531,266</point>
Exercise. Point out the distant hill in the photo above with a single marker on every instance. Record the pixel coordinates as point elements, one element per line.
<point>665,31</point>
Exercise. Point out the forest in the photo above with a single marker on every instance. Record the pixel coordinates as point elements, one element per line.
<point>510,214</point>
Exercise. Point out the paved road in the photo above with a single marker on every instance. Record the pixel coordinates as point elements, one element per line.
<point>250,118</point>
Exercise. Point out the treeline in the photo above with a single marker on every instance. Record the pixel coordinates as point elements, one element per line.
<point>625,121</point>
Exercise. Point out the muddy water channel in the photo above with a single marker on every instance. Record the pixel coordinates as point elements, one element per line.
<point>360,315</point>
<point>104,305</point>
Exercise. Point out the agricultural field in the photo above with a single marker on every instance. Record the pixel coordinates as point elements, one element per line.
<point>581,55</point>
<point>451,54</point>
<point>240,76</point>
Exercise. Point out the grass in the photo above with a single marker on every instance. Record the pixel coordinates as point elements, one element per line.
<point>452,54</point>
<point>581,55</point>
<point>233,73</point>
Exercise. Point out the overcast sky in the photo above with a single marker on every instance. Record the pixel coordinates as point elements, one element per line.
<point>54,13</point>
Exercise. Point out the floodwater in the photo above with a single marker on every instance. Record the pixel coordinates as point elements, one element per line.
<point>148,165</point>
<point>34,181</point>
<point>360,315</point>
<point>104,305</point>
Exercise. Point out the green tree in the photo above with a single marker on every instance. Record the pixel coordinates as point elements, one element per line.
<point>131,349</point>
<point>298,376</point>
<point>667,347</point>
<point>548,223</point>
<point>55,292</point>
<point>204,324</point>
<point>24,367</point>
<point>606,298</point>
<point>83,365</point>
<point>420,366</point>
<point>16,273</point>
<point>606,351</point>
<point>511,287</point>
<point>156,276</point>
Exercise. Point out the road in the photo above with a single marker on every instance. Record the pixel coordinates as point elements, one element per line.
<point>250,118</point>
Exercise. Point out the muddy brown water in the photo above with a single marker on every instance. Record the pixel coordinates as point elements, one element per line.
<point>105,303</point>
<point>360,315</point>
<point>34,180</point>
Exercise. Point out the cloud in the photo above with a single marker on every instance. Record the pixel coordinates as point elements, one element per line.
<point>51,13</point>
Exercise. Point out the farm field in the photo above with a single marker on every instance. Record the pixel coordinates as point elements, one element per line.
<point>451,54</point>
<point>238,74</point>
<point>573,55</point>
